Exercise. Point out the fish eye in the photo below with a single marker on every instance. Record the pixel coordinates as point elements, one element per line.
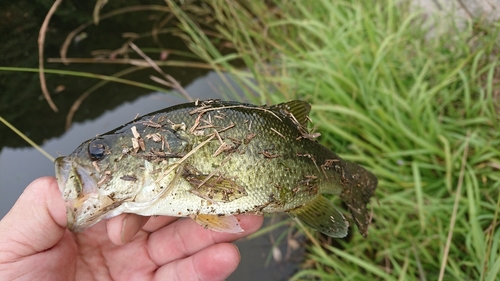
<point>97,149</point>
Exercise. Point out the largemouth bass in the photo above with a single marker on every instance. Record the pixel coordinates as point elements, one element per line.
<point>210,160</point>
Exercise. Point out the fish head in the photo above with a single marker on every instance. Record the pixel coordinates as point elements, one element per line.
<point>115,168</point>
<point>87,179</point>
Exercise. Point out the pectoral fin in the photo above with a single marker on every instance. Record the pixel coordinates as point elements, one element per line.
<point>227,224</point>
<point>215,188</point>
<point>321,215</point>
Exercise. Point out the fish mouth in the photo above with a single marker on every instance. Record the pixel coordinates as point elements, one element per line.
<point>78,186</point>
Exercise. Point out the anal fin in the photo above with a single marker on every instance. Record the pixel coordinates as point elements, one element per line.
<point>217,223</point>
<point>321,215</point>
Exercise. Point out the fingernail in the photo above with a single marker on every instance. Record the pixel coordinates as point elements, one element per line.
<point>131,225</point>
<point>129,228</point>
<point>237,250</point>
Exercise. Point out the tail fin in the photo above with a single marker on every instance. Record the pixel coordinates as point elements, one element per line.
<point>358,186</point>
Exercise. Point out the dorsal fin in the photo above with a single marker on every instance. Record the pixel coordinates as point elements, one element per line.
<point>299,109</point>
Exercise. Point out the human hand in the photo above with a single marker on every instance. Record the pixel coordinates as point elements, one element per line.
<point>35,244</point>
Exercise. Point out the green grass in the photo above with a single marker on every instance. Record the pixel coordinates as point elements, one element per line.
<point>421,113</point>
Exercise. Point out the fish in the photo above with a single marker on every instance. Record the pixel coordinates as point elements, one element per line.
<point>211,160</point>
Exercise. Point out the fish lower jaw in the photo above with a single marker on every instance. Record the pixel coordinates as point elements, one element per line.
<point>83,212</point>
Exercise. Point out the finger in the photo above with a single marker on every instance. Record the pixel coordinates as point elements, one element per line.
<point>122,229</point>
<point>157,222</point>
<point>216,262</point>
<point>36,222</point>
<point>185,237</point>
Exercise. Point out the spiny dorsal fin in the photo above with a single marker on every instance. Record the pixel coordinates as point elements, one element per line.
<point>321,215</point>
<point>299,109</point>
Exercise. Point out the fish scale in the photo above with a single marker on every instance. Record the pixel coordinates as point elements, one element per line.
<point>211,160</point>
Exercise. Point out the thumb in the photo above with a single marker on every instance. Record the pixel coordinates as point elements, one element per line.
<point>36,222</point>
